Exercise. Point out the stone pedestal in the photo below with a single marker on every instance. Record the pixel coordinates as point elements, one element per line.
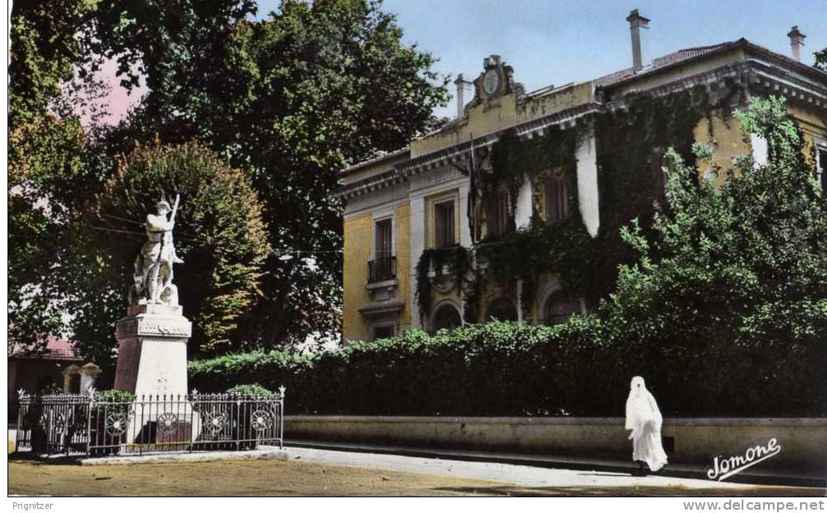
<point>152,350</point>
<point>152,364</point>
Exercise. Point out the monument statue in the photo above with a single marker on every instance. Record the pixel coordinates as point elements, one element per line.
<point>152,338</point>
<point>152,278</point>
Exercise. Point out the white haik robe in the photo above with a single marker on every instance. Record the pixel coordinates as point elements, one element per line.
<point>644,419</point>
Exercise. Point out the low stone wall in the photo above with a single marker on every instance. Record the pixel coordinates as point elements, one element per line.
<point>803,441</point>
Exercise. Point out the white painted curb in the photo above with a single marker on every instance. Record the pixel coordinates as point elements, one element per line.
<point>260,454</point>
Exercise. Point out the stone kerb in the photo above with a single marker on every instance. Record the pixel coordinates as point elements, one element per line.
<point>688,440</point>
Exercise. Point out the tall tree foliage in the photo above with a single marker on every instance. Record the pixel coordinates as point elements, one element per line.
<point>50,67</point>
<point>219,232</point>
<point>734,287</point>
<point>821,60</point>
<point>291,99</point>
<point>48,41</point>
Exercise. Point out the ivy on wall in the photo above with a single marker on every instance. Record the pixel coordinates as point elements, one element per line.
<point>516,160</point>
<point>524,254</point>
<point>630,145</point>
<point>563,248</point>
<point>457,259</point>
<point>542,248</point>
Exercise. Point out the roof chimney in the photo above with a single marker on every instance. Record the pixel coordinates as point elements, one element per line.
<point>796,42</point>
<point>460,83</point>
<point>636,22</point>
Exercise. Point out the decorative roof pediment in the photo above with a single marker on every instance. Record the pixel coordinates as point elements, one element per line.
<point>495,81</point>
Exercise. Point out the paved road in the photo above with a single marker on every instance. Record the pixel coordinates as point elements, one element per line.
<point>309,471</point>
<point>525,476</point>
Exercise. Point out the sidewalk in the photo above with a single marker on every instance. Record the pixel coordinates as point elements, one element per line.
<point>750,476</point>
<point>349,471</point>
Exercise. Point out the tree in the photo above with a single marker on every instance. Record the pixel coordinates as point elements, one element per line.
<point>291,100</point>
<point>50,68</point>
<point>733,289</point>
<point>821,60</point>
<point>219,232</point>
<point>44,155</point>
<point>49,42</point>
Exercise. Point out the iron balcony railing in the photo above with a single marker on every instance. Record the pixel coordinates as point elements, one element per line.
<point>382,269</point>
<point>84,424</point>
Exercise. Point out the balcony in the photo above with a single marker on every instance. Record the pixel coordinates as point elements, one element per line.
<point>382,269</point>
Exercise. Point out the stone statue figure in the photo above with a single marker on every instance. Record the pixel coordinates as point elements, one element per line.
<point>153,266</point>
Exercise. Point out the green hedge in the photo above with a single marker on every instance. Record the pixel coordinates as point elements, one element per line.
<point>251,390</point>
<point>501,369</point>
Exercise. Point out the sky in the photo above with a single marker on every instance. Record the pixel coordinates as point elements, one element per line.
<point>554,42</point>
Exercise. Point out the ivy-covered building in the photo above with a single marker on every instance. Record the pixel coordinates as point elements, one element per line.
<point>512,210</point>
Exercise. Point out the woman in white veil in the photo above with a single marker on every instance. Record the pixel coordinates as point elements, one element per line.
<point>644,419</point>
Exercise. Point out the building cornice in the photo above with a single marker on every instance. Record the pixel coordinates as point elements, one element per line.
<point>458,153</point>
<point>755,74</point>
<point>776,80</point>
<point>370,184</point>
<point>375,160</point>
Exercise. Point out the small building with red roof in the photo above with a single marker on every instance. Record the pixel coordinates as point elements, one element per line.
<point>53,369</point>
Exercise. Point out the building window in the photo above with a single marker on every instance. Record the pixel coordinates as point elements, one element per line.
<point>384,331</point>
<point>446,317</point>
<point>557,198</point>
<point>501,310</point>
<point>384,238</point>
<point>500,218</point>
<point>560,306</point>
<point>444,224</point>
<point>821,163</point>
<point>383,265</point>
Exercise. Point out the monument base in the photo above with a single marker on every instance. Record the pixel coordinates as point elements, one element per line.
<point>170,426</point>
<point>152,364</point>
<point>152,351</point>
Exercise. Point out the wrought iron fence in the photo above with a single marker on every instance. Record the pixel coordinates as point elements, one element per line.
<point>86,424</point>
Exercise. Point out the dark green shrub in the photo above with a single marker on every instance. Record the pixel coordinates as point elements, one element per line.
<point>112,401</point>
<point>109,404</point>
<point>582,367</point>
<point>488,369</point>
<point>114,396</point>
<point>253,390</point>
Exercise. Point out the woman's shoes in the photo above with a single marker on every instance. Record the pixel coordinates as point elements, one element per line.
<point>642,470</point>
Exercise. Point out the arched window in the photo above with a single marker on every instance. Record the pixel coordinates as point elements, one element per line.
<point>559,306</point>
<point>446,317</point>
<point>501,310</point>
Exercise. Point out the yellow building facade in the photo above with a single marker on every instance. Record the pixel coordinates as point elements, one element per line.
<point>452,191</point>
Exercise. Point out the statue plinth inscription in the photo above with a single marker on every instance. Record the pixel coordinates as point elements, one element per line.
<point>152,350</point>
<point>152,324</point>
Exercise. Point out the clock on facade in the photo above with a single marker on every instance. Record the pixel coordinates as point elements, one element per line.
<point>490,82</point>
